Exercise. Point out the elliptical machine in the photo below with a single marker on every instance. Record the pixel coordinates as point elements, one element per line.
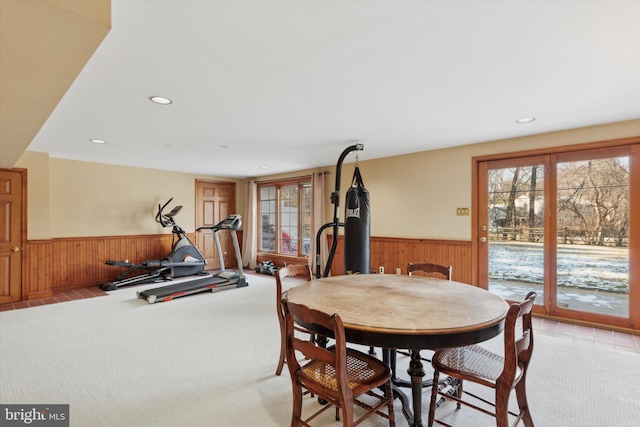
<point>184,259</point>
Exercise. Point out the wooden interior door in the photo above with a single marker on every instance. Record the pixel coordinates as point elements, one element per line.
<point>215,201</point>
<point>10,236</point>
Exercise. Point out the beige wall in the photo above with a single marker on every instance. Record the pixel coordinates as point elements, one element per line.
<point>38,196</point>
<point>414,195</point>
<point>69,198</point>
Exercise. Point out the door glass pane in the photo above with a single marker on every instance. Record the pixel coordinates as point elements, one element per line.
<point>516,232</point>
<point>593,236</point>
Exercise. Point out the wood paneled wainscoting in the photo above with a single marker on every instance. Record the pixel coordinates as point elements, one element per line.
<point>69,263</point>
<point>392,253</point>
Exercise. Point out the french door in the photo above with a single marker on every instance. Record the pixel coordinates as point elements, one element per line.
<point>563,224</point>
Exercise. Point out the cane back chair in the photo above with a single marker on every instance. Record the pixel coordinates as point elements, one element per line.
<point>337,374</point>
<point>295,270</point>
<point>502,373</point>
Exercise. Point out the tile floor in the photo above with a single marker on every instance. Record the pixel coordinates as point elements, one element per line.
<point>75,294</point>
<point>587,334</point>
<point>600,337</point>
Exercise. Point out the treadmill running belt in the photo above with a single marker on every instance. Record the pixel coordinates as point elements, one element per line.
<point>167,293</point>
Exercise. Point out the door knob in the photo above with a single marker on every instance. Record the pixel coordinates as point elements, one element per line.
<point>15,249</point>
<point>483,239</point>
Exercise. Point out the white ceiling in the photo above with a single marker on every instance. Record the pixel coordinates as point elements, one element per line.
<point>289,84</point>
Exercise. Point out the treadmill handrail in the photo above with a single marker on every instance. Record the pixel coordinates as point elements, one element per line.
<point>232,222</point>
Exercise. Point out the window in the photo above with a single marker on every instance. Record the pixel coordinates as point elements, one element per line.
<point>285,217</point>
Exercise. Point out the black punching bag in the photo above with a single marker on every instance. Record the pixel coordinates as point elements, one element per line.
<point>356,227</point>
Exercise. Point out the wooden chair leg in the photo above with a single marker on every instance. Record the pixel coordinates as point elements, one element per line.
<point>502,408</point>
<point>296,416</point>
<point>459,391</point>
<point>347,414</point>
<point>521,396</point>
<point>282,355</point>
<point>388,393</point>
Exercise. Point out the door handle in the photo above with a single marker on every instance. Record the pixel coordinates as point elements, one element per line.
<point>15,249</point>
<point>483,239</point>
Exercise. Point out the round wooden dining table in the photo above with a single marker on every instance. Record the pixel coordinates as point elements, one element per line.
<point>405,312</point>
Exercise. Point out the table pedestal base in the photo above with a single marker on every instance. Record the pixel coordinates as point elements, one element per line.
<point>413,410</point>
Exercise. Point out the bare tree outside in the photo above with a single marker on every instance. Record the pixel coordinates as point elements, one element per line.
<point>516,199</point>
<point>593,202</point>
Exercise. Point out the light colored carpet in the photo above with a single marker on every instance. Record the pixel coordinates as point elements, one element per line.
<point>209,360</point>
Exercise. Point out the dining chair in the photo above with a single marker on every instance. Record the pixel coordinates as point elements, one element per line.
<point>341,376</point>
<point>501,372</point>
<point>430,269</point>
<point>423,269</point>
<point>294,270</point>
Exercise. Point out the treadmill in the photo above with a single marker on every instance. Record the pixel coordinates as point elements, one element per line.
<point>225,279</point>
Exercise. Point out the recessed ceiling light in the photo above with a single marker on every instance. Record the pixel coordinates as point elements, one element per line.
<point>161,100</point>
<point>525,120</point>
<point>98,141</point>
